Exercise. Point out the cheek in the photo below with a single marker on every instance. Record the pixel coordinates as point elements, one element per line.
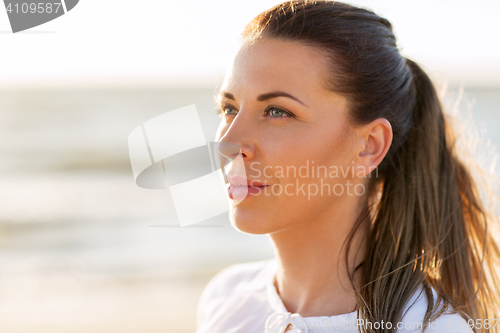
<point>314,169</point>
<point>328,147</point>
<point>334,146</point>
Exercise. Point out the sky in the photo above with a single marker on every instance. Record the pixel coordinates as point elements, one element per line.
<point>173,42</point>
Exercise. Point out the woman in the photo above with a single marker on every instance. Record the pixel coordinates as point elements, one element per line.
<point>351,169</point>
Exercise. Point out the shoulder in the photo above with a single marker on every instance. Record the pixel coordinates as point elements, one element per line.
<point>234,282</point>
<point>413,315</point>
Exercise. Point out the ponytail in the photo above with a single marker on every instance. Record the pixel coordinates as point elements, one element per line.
<point>430,229</point>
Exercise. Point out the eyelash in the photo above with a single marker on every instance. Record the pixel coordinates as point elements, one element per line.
<point>220,110</point>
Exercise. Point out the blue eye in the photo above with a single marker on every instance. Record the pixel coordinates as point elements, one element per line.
<point>275,112</point>
<point>229,111</point>
<point>226,110</point>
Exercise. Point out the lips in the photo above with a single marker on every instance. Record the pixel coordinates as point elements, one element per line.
<point>238,180</point>
<point>241,187</point>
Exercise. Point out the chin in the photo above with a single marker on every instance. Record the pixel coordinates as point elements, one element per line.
<point>249,222</point>
<point>260,221</point>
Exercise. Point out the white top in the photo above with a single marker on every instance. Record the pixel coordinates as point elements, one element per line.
<point>243,298</point>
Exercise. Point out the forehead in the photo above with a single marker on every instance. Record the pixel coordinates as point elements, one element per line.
<point>270,64</point>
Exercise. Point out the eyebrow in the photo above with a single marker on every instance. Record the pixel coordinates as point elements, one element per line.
<point>264,97</point>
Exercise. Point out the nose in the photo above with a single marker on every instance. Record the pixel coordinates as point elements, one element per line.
<point>238,138</point>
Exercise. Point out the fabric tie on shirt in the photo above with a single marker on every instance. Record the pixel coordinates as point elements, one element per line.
<point>282,320</point>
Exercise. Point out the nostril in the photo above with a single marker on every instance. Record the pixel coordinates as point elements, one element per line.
<point>229,150</point>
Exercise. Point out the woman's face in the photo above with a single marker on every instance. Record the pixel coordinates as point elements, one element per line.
<point>293,134</point>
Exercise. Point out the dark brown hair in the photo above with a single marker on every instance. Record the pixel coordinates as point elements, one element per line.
<point>428,226</point>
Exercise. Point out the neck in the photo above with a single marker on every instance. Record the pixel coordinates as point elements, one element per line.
<point>312,277</point>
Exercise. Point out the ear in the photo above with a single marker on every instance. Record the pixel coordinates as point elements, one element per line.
<point>375,139</point>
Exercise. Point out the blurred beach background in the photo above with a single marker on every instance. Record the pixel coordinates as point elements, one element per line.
<point>82,248</point>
